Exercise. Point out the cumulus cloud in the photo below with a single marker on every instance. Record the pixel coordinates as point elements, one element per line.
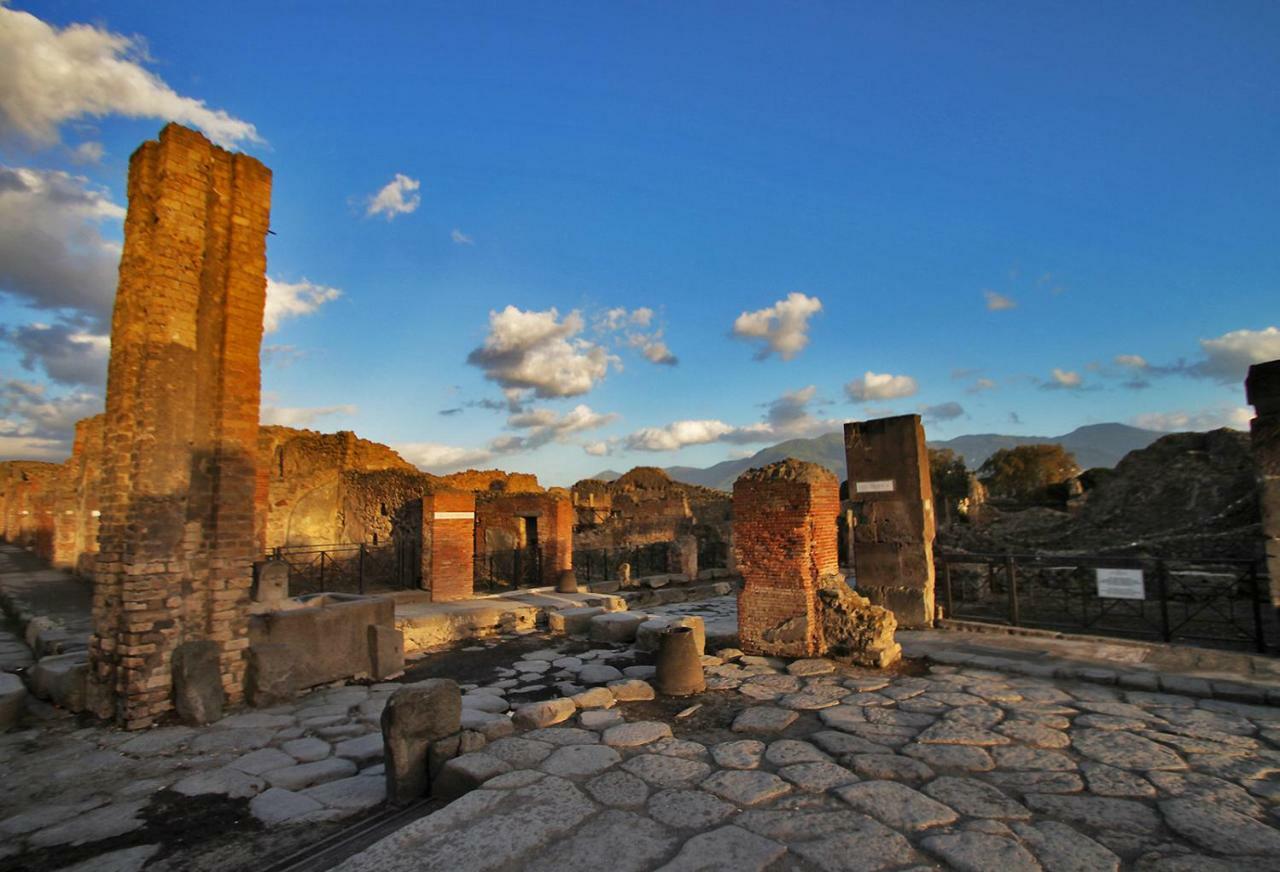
<point>37,425</point>
<point>1063,379</point>
<point>298,416</point>
<point>942,412</point>
<point>538,352</point>
<point>783,328</point>
<point>544,426</point>
<point>1236,417</point>
<point>880,386</point>
<point>998,302</point>
<point>1132,361</point>
<point>678,434</point>
<point>397,197</point>
<point>51,76</point>
<point>442,459</point>
<point>1229,356</point>
<point>461,238</point>
<point>596,449</point>
<point>293,299</point>
<point>632,324</point>
<point>87,153</point>
<point>787,417</point>
<point>53,254</point>
<point>65,353</point>
<point>982,384</point>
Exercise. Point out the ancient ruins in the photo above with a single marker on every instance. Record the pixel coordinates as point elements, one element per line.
<point>639,673</point>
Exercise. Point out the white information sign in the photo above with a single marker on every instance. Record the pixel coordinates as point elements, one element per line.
<point>454,516</point>
<point>1121,584</point>
<point>874,487</point>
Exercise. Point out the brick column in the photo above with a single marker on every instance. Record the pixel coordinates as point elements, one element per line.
<point>784,535</point>
<point>892,501</point>
<point>181,427</point>
<point>448,544</point>
<point>1262,387</point>
<point>557,530</point>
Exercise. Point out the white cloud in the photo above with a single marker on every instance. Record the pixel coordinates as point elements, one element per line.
<point>1064,379</point>
<point>787,417</point>
<point>38,425</point>
<point>942,412</point>
<point>461,238</point>
<point>397,197</point>
<point>87,153</point>
<point>51,76</point>
<point>440,459</point>
<point>982,384</point>
<point>303,417</point>
<point>1228,357</point>
<point>998,302</point>
<point>1236,417</point>
<point>52,251</point>
<point>1132,361</point>
<point>596,449</point>
<point>650,344</point>
<point>65,353</point>
<point>293,299</point>
<point>880,386</point>
<point>538,352</point>
<point>544,425</point>
<point>783,327</point>
<point>677,435</point>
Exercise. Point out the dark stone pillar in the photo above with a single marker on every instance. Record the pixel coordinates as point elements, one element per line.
<point>1262,388</point>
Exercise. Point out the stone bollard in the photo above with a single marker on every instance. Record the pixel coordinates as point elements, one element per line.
<point>566,582</point>
<point>624,574</point>
<point>197,682</point>
<point>416,716</point>
<point>679,667</point>
<point>270,581</point>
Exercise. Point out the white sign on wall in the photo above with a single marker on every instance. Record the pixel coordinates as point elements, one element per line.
<point>454,516</point>
<point>874,487</point>
<point>1121,584</point>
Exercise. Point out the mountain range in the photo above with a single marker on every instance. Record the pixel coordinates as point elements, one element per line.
<point>1092,445</point>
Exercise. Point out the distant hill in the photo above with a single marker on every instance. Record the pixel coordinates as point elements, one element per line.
<point>1093,445</point>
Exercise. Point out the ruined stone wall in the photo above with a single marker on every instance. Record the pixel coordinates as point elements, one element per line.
<point>645,506</point>
<point>504,522</point>
<point>1262,387</point>
<point>23,484</point>
<point>179,481</point>
<point>891,492</point>
<point>77,514</point>
<point>480,480</point>
<point>784,545</point>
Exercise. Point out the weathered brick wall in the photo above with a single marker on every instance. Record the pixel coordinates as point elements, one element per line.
<point>504,520</point>
<point>1262,387</point>
<point>892,501</point>
<point>448,542</point>
<point>645,506</point>
<point>784,545</point>
<point>177,535</point>
<point>76,516</point>
<point>480,480</point>
<point>22,485</point>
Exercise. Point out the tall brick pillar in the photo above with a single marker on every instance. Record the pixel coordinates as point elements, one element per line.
<point>448,544</point>
<point>893,508</point>
<point>1262,387</point>
<point>784,540</point>
<point>557,545</point>
<point>183,386</point>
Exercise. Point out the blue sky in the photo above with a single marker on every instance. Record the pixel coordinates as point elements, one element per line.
<point>1010,217</point>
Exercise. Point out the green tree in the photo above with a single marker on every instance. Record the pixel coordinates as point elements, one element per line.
<point>950,480</point>
<point>1026,472</point>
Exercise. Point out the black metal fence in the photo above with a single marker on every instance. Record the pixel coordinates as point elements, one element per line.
<point>1220,603</point>
<point>508,569</point>
<point>345,568</point>
<point>601,564</point>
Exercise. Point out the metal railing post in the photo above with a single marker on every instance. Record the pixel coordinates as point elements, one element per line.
<point>946,583</point>
<point>1162,587</point>
<point>1011,579</point>
<point>1260,640</point>
<point>360,569</point>
<point>322,572</point>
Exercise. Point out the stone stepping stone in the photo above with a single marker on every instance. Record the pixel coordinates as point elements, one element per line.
<point>598,673</point>
<point>889,767</point>
<point>631,690</point>
<point>595,698</point>
<point>976,798</point>
<point>1125,750</point>
<point>763,719</point>
<point>635,734</point>
<point>276,806</point>
<point>759,692</point>
<point>896,805</point>
<point>580,761</point>
<point>729,847</point>
<point>662,771</point>
<point>970,850</point>
<point>811,666</point>
<point>618,789</point>
<point>817,777</point>
<point>305,775</point>
<point>963,757</point>
<point>1096,813</point>
<point>485,702</point>
<point>784,752</point>
<point>1058,846</point>
<point>520,752</point>
<point>364,750</point>
<point>225,781</point>
<point>544,714</point>
<point>532,667</point>
<point>746,787</point>
<point>351,794</point>
<point>306,750</point>
<point>689,809</point>
<point>742,754</point>
<point>599,719</point>
<point>677,748</point>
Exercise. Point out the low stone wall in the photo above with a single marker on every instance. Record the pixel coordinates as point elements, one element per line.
<point>328,638</point>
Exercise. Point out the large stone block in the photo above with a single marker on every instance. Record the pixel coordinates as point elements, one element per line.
<point>273,675</point>
<point>61,680</point>
<point>386,651</point>
<point>13,697</point>
<point>416,716</point>
<point>615,626</point>
<point>572,622</point>
<point>197,682</point>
